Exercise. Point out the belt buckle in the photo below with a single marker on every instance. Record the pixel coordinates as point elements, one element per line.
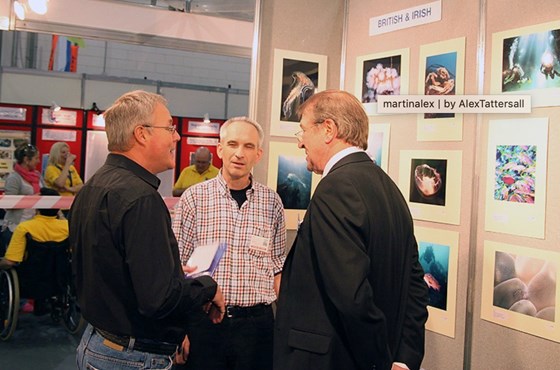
<point>228,312</point>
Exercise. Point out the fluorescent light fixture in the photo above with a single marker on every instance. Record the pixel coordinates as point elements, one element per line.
<point>38,6</point>
<point>19,9</point>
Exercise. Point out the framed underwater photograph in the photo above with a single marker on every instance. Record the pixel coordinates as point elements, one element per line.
<point>288,175</point>
<point>430,181</point>
<point>383,73</point>
<point>438,255</point>
<point>378,144</point>
<point>516,176</point>
<point>441,72</point>
<point>525,61</point>
<point>520,289</point>
<point>296,76</point>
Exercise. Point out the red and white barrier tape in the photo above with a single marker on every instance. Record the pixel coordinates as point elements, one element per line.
<point>46,202</point>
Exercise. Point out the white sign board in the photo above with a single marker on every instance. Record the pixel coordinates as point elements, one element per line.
<point>405,18</point>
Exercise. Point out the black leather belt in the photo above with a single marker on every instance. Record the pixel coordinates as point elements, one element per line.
<point>121,343</point>
<point>235,312</point>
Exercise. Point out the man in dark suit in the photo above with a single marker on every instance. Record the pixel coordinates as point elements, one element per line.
<point>352,294</point>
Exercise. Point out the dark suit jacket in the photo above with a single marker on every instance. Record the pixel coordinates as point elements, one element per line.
<point>352,294</point>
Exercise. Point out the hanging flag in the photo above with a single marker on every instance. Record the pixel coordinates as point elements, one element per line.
<point>64,53</point>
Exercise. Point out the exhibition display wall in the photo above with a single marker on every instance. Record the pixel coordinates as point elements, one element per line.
<point>487,229</point>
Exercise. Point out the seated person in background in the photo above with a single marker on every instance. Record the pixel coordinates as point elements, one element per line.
<point>200,171</point>
<point>24,180</point>
<point>60,174</point>
<point>43,227</point>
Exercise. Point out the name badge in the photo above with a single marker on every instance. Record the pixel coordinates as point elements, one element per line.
<point>259,243</point>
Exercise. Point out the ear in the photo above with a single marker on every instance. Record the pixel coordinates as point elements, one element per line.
<point>259,154</point>
<point>219,150</point>
<point>330,129</point>
<point>140,135</point>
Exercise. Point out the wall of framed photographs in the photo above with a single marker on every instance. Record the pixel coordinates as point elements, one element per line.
<point>492,215</point>
<point>490,220</point>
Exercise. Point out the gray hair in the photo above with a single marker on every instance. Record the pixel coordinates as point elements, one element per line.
<point>345,110</point>
<point>128,111</point>
<point>255,124</point>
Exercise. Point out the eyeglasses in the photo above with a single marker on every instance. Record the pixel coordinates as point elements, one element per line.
<point>171,129</point>
<point>299,134</point>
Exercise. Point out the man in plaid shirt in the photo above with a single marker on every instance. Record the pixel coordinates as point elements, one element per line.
<point>249,218</point>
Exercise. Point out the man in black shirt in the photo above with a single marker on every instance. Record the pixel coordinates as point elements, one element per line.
<point>129,279</point>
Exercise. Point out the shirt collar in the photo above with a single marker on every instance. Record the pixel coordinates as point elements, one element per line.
<point>122,161</point>
<point>222,185</point>
<point>338,156</point>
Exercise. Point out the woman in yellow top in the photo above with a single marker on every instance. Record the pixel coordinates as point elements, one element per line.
<point>60,174</point>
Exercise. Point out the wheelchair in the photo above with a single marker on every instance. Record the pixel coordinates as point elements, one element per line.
<point>45,274</point>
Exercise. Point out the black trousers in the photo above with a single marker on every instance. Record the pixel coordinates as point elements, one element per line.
<point>237,343</point>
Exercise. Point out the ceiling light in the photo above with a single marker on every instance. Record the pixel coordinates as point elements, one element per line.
<point>38,6</point>
<point>19,9</point>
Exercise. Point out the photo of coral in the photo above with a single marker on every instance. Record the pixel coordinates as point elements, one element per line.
<point>299,82</point>
<point>427,181</point>
<point>293,182</point>
<point>515,173</point>
<point>525,285</point>
<point>381,76</point>
<point>434,259</point>
<point>531,61</point>
<point>440,78</point>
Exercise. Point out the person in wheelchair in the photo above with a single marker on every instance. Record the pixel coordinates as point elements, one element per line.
<point>45,226</point>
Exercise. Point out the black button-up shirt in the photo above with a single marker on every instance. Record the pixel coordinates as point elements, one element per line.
<point>126,263</point>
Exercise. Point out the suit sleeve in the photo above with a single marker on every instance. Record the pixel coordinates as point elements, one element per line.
<point>337,221</point>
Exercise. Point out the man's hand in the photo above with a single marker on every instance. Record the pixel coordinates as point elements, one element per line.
<point>182,352</point>
<point>217,308</point>
<point>188,269</point>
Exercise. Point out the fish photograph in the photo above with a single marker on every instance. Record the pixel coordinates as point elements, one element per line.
<point>515,173</point>
<point>434,259</point>
<point>293,182</point>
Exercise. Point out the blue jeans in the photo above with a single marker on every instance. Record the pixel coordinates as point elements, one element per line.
<point>92,354</point>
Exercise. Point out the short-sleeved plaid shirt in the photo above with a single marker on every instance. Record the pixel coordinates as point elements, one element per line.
<point>207,213</point>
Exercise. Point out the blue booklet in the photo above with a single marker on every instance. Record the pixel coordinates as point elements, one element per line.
<point>206,258</point>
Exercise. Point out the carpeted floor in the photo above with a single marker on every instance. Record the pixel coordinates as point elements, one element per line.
<point>39,343</point>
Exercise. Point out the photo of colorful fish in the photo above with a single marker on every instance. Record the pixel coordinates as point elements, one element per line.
<point>299,82</point>
<point>531,61</point>
<point>434,259</point>
<point>294,182</point>
<point>515,173</point>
